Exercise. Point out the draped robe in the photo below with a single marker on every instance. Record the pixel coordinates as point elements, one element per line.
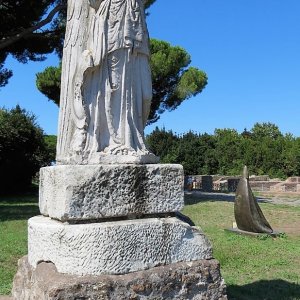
<point>109,92</point>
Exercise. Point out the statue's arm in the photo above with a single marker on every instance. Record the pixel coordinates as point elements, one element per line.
<point>95,3</point>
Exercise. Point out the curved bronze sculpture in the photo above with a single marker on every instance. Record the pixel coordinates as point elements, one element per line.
<point>247,212</point>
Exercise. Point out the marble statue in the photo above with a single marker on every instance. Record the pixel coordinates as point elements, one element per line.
<point>106,85</point>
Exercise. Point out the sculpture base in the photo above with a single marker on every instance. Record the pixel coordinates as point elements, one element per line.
<point>243,232</point>
<point>114,247</point>
<point>91,192</point>
<point>108,158</point>
<point>194,280</point>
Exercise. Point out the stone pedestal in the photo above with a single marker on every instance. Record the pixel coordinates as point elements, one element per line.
<point>109,232</point>
<point>114,247</point>
<point>195,280</point>
<point>90,192</point>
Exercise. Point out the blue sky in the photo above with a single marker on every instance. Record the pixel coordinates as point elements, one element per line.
<point>250,50</point>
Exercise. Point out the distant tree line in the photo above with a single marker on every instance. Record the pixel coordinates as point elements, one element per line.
<point>264,149</point>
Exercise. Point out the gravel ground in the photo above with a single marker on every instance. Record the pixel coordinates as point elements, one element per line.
<point>289,199</point>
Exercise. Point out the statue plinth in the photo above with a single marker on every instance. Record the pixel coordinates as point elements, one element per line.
<point>94,192</point>
<point>115,247</point>
<point>106,158</point>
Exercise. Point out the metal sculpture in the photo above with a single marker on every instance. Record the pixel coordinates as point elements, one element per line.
<point>247,212</point>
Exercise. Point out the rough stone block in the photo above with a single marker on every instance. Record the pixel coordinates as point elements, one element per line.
<point>195,280</point>
<point>86,192</point>
<point>114,247</point>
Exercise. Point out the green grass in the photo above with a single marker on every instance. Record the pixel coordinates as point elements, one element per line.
<point>253,268</point>
<point>14,213</point>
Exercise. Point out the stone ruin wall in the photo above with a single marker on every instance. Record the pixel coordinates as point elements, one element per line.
<point>262,183</point>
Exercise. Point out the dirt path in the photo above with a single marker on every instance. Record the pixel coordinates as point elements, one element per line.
<point>280,198</point>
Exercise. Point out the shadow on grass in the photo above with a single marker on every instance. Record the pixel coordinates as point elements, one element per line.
<point>29,196</point>
<point>265,290</point>
<point>18,212</point>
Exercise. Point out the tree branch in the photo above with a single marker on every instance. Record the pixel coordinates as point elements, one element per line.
<point>5,42</point>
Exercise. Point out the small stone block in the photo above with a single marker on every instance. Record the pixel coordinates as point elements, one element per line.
<point>114,247</point>
<point>92,192</point>
<point>195,280</point>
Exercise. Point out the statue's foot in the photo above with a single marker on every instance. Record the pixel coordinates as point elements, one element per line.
<point>120,150</point>
<point>120,154</point>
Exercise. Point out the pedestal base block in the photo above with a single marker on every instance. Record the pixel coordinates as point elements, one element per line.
<point>189,281</point>
<point>93,192</point>
<point>114,247</point>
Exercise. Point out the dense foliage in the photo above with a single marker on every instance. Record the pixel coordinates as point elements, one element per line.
<point>23,149</point>
<point>172,81</point>
<point>29,29</point>
<point>264,149</point>
<point>48,83</point>
<point>50,143</point>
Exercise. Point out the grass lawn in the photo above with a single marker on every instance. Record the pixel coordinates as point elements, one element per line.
<point>14,213</point>
<point>253,268</point>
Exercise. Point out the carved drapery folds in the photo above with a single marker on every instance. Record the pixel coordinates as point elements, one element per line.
<point>106,84</point>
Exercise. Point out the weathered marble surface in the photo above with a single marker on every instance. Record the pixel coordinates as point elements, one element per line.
<point>79,192</point>
<point>114,247</point>
<point>195,280</point>
<point>106,87</point>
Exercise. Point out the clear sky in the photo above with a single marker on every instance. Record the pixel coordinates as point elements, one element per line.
<point>250,50</point>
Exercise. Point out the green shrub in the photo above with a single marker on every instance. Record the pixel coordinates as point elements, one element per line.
<point>22,149</point>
